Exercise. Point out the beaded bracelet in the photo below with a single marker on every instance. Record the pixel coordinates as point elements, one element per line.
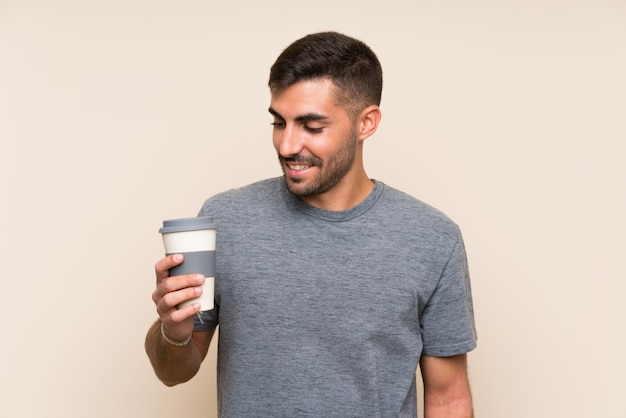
<point>169,340</point>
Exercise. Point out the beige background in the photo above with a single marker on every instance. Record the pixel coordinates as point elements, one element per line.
<point>507,115</point>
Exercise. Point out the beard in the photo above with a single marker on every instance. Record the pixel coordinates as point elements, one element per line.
<point>331,172</point>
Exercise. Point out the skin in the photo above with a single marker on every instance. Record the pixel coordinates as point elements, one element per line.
<point>446,387</point>
<point>320,149</point>
<point>310,126</point>
<point>172,364</point>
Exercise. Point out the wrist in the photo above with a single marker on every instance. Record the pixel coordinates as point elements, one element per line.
<point>171,341</point>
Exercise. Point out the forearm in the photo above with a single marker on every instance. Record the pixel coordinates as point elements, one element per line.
<point>173,364</point>
<point>459,406</point>
<point>447,391</point>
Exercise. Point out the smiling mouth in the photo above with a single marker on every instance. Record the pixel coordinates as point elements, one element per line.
<point>300,162</point>
<point>298,167</point>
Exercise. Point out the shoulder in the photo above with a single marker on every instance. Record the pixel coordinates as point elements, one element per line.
<point>253,198</point>
<point>263,189</point>
<point>412,212</point>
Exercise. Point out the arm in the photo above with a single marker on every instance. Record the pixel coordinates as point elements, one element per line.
<point>173,364</point>
<point>446,387</point>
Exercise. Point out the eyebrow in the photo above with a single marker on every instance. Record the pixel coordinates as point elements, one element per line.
<point>302,118</point>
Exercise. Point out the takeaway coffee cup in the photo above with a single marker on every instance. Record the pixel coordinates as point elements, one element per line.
<point>194,238</point>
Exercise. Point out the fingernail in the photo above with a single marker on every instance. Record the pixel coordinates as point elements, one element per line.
<point>200,278</point>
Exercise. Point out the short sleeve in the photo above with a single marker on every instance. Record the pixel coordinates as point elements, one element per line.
<point>207,320</point>
<point>447,321</point>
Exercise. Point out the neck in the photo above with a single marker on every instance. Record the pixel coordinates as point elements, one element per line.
<point>345,195</point>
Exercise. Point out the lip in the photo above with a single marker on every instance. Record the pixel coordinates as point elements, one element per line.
<point>291,172</point>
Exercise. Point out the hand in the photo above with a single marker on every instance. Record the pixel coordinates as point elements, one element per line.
<point>172,291</point>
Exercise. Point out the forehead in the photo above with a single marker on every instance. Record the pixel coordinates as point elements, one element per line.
<point>304,97</point>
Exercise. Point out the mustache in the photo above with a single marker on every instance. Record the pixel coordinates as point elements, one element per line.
<point>301,159</point>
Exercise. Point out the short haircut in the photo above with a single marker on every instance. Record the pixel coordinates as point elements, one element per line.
<point>349,63</point>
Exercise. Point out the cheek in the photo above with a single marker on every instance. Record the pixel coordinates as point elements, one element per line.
<point>330,144</point>
<point>276,140</point>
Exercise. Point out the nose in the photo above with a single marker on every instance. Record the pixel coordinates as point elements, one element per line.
<point>287,140</point>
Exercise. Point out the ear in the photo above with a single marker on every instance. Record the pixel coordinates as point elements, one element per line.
<point>367,122</point>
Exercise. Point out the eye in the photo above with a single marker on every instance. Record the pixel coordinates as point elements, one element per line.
<point>278,124</point>
<point>313,130</point>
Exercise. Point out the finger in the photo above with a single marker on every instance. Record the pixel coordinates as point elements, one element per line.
<point>173,299</point>
<point>169,285</point>
<point>175,283</point>
<point>163,266</point>
<point>176,317</point>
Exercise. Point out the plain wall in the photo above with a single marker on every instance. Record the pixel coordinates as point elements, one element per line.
<point>114,115</point>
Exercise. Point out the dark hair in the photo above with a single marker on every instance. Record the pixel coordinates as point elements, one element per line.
<point>350,64</point>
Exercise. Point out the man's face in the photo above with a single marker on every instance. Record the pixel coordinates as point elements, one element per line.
<point>314,137</point>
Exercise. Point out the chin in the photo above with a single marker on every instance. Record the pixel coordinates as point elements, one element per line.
<point>298,187</point>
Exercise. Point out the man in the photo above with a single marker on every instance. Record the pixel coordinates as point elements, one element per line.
<point>330,286</point>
